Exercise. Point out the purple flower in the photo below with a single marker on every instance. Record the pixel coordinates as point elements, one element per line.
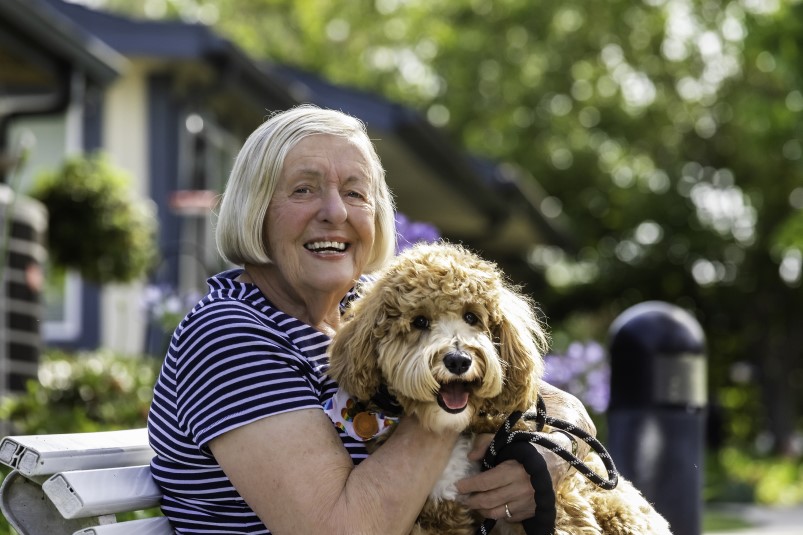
<point>582,371</point>
<point>410,232</point>
<point>166,305</point>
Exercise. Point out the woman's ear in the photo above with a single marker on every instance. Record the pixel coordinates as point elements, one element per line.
<point>352,353</point>
<point>522,343</point>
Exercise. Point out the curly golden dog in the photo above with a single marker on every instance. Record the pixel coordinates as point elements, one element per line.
<point>443,332</point>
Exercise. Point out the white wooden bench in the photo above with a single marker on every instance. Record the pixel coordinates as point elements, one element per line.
<point>76,484</point>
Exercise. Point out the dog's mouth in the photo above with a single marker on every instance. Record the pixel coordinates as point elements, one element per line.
<point>453,396</point>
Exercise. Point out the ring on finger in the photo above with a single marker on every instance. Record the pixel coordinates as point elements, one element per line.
<point>507,512</point>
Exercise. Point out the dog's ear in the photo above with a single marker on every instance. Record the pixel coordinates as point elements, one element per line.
<point>352,353</point>
<point>522,343</point>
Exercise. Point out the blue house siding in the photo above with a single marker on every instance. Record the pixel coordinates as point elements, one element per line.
<point>163,146</point>
<point>90,295</point>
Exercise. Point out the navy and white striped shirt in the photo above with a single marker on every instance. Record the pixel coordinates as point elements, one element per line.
<point>233,360</point>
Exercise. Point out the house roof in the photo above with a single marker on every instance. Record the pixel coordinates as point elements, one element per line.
<point>33,37</point>
<point>175,42</point>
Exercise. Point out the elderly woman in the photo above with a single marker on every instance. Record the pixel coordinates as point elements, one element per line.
<point>242,442</point>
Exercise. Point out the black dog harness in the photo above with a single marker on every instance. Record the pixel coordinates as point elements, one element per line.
<point>513,444</point>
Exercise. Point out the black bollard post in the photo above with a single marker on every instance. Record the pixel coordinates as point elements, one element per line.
<point>656,416</point>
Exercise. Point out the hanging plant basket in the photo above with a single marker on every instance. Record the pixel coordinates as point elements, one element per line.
<point>96,226</point>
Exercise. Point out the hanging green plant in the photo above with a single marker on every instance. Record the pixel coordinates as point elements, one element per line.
<point>96,226</point>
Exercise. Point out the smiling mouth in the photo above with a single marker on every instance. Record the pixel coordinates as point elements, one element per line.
<point>453,396</point>
<point>326,247</point>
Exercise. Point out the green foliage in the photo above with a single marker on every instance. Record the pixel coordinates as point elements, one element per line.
<point>789,234</point>
<point>84,392</point>
<point>96,227</point>
<point>741,403</point>
<point>734,475</point>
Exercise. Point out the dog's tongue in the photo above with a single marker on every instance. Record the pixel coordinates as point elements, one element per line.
<point>454,395</point>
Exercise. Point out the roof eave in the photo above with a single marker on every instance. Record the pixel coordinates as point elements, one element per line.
<point>62,38</point>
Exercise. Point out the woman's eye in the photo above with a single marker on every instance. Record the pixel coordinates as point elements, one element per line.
<point>302,189</point>
<point>471,318</point>
<point>421,322</point>
<point>358,196</point>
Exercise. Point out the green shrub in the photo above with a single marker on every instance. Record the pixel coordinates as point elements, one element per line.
<point>92,391</point>
<point>96,225</point>
<point>736,475</point>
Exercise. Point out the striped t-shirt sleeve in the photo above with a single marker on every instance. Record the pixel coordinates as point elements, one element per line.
<point>235,368</point>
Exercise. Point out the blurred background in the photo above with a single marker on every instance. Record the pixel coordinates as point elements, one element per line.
<point>604,154</point>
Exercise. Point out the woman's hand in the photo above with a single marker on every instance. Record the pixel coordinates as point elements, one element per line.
<point>509,483</point>
<point>506,484</point>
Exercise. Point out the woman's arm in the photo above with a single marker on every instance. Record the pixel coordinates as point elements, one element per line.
<point>294,472</point>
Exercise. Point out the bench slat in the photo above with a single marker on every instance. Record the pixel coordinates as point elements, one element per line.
<point>48,454</point>
<point>81,493</point>
<point>146,526</point>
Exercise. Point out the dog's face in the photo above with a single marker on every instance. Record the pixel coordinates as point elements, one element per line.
<point>446,334</point>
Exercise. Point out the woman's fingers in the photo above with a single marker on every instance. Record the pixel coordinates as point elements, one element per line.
<point>519,511</point>
<point>506,484</point>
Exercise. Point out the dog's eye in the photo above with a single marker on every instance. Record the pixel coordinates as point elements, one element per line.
<point>421,322</point>
<point>471,318</point>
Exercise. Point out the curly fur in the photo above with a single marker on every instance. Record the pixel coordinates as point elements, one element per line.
<point>443,284</point>
<point>438,302</point>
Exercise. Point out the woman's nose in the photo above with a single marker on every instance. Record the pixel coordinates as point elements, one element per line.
<point>333,209</point>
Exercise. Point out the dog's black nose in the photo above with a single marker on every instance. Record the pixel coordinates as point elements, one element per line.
<point>457,362</point>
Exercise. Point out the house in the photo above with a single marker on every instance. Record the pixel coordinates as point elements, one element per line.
<point>171,102</point>
<point>48,67</point>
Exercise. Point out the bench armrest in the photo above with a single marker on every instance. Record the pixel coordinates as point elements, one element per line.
<point>81,493</point>
<point>37,455</point>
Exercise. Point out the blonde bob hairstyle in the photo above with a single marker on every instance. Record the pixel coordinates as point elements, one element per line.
<point>252,183</point>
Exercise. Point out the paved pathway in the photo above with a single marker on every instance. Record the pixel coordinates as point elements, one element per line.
<point>765,520</point>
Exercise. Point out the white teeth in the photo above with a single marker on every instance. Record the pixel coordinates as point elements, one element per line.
<point>318,245</point>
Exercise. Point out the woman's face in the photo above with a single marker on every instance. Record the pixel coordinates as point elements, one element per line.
<point>320,222</point>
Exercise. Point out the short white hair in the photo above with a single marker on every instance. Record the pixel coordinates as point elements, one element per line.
<point>252,183</point>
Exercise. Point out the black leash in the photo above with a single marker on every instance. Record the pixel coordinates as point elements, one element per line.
<point>514,444</point>
<point>541,418</point>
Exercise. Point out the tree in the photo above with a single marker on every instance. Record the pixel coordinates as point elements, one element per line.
<point>667,131</point>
